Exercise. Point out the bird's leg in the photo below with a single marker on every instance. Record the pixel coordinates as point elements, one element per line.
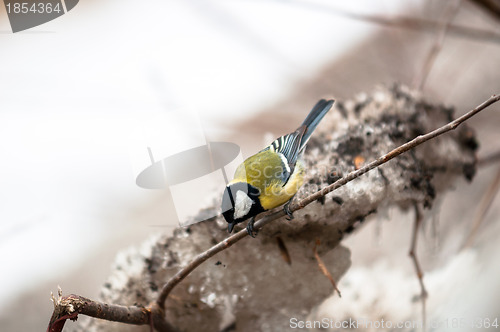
<point>250,227</point>
<point>286,208</point>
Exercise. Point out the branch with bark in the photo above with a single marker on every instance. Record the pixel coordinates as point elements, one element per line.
<point>251,286</point>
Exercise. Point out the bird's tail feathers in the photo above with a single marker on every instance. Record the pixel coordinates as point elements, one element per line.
<point>313,118</point>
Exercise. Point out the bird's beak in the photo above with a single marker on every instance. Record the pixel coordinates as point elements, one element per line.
<point>230,227</point>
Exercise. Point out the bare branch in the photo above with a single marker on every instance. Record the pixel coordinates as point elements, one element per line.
<point>408,23</point>
<point>159,266</point>
<point>392,154</point>
<point>69,307</point>
<point>324,269</point>
<point>489,159</point>
<point>492,7</point>
<point>438,44</point>
<point>182,273</point>
<point>413,255</point>
<point>484,206</point>
<point>283,250</point>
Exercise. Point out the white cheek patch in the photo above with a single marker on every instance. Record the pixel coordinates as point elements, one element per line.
<point>243,205</point>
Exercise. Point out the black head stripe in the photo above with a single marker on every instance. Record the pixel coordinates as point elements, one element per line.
<point>247,188</point>
<point>230,194</point>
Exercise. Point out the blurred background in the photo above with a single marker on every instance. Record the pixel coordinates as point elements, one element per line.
<point>79,94</point>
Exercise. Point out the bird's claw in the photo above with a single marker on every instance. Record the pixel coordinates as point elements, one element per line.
<point>250,229</point>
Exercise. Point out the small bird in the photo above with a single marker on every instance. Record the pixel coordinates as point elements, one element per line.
<point>272,176</point>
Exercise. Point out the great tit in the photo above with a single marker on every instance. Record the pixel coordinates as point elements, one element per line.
<point>271,177</point>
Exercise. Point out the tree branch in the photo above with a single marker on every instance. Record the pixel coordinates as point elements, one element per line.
<point>484,206</point>
<point>450,13</point>
<point>161,262</point>
<point>69,307</point>
<point>413,255</point>
<point>179,276</point>
<point>489,159</point>
<point>394,153</point>
<point>408,23</point>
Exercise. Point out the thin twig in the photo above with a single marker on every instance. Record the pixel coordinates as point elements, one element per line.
<point>283,250</point>
<point>410,23</point>
<point>394,153</point>
<point>69,307</point>
<point>491,6</point>
<point>185,271</point>
<point>438,44</point>
<point>324,269</point>
<point>413,255</point>
<point>489,159</point>
<point>484,206</point>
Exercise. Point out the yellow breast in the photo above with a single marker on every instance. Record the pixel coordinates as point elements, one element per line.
<point>275,194</point>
